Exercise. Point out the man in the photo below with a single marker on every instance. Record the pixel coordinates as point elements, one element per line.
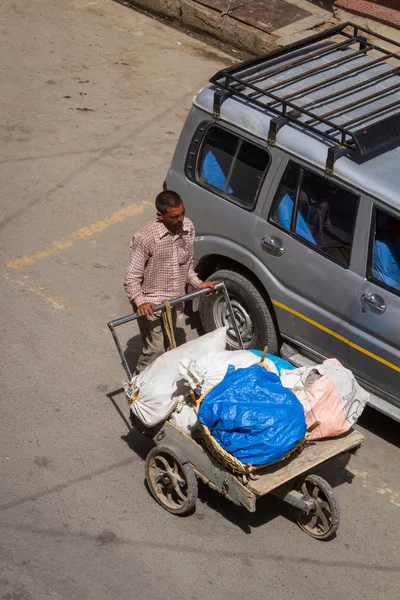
<point>315,210</point>
<point>159,267</point>
<point>387,253</point>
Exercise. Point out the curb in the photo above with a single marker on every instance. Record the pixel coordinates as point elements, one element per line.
<point>222,23</point>
<point>222,26</point>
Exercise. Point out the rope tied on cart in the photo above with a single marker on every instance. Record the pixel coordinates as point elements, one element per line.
<point>168,324</point>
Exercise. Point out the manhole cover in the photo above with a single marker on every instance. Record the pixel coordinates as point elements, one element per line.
<point>268,16</point>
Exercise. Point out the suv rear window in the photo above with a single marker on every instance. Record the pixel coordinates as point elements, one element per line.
<point>317,211</point>
<point>232,166</point>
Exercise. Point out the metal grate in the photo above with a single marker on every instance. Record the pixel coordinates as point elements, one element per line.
<point>336,84</point>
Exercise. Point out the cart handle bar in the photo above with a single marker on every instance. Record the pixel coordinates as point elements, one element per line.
<point>174,302</point>
<point>134,316</point>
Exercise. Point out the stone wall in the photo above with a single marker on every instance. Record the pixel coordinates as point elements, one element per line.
<point>198,17</point>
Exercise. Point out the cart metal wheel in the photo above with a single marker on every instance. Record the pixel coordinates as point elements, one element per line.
<point>171,480</point>
<point>323,520</point>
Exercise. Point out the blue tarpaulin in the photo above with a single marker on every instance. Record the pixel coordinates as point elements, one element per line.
<point>252,416</point>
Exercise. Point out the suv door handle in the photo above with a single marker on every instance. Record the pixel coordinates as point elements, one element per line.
<point>374,302</point>
<point>272,245</point>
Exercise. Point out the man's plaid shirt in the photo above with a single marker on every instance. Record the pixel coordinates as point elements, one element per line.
<point>160,263</point>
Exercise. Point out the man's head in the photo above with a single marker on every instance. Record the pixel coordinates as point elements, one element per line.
<point>170,210</point>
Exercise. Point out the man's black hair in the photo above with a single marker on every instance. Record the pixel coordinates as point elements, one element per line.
<point>168,199</point>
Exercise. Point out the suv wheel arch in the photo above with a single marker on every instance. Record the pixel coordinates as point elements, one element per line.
<point>212,263</point>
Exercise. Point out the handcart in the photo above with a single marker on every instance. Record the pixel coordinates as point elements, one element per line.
<point>177,460</point>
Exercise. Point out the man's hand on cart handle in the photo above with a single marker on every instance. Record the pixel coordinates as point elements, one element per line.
<point>146,309</point>
<point>207,284</point>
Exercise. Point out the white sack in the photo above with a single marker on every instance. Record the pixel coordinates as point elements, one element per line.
<point>184,417</point>
<point>207,371</point>
<point>160,384</point>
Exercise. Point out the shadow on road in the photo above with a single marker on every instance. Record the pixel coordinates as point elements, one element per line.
<point>133,350</point>
<point>268,507</point>
<point>139,443</point>
<point>111,396</point>
<point>381,425</point>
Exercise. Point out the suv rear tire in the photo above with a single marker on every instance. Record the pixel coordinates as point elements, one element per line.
<point>252,313</point>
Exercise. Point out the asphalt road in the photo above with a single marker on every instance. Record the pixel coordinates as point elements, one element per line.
<point>93,99</point>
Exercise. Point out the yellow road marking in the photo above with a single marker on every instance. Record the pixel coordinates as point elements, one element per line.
<point>40,290</point>
<point>336,335</point>
<point>80,234</point>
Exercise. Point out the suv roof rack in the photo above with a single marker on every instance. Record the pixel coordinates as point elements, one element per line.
<point>361,114</point>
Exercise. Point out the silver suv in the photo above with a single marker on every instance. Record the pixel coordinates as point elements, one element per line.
<point>289,165</point>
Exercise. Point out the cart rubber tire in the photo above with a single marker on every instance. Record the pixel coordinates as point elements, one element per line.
<point>250,308</point>
<point>171,480</point>
<point>323,521</point>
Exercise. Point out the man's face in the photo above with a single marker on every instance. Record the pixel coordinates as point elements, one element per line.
<point>173,218</point>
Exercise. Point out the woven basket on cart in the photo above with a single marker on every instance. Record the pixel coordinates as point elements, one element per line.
<point>225,458</point>
<point>231,463</point>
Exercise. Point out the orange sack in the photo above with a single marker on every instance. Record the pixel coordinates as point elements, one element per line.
<point>329,394</point>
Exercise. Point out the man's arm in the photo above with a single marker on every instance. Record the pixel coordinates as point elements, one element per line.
<point>193,279</point>
<point>329,229</point>
<point>134,272</point>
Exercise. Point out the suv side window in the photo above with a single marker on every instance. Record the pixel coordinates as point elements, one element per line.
<point>317,211</point>
<point>384,260</point>
<point>232,166</point>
